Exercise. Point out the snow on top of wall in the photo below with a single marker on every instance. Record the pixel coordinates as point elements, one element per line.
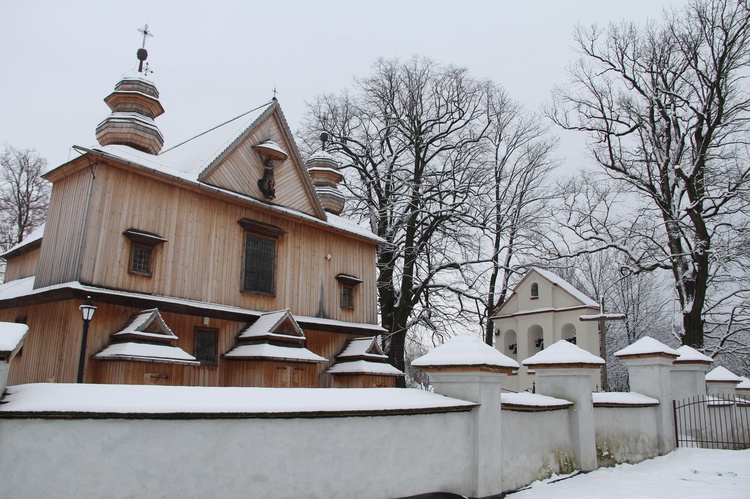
<point>191,400</point>
<point>146,352</point>
<point>744,384</point>
<point>11,334</point>
<point>273,352</point>
<point>623,398</point>
<point>690,354</point>
<point>563,352</point>
<point>465,350</point>
<point>721,373</point>
<point>35,235</point>
<point>364,367</point>
<point>556,279</point>
<point>645,346</point>
<point>532,400</point>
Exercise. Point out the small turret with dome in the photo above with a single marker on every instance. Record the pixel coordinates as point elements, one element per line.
<point>324,172</point>
<point>134,104</point>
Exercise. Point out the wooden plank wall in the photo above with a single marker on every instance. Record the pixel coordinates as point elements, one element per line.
<point>51,351</point>
<point>22,266</point>
<point>202,259</point>
<point>61,252</point>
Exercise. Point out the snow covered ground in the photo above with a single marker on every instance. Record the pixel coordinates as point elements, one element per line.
<point>683,474</point>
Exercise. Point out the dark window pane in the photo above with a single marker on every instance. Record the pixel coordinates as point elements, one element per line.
<point>141,260</point>
<point>260,264</point>
<point>206,345</point>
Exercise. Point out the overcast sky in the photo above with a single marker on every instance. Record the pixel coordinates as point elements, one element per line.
<point>215,60</point>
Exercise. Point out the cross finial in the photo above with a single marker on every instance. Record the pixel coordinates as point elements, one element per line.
<point>146,34</point>
<point>274,92</point>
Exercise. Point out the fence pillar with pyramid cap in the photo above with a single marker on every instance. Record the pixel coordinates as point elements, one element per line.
<point>649,364</point>
<point>722,381</point>
<point>689,373</point>
<point>564,371</point>
<point>743,389</point>
<point>467,368</point>
<point>11,342</point>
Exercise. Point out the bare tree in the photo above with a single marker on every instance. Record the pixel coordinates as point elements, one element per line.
<point>667,111</point>
<point>411,135</point>
<point>24,194</point>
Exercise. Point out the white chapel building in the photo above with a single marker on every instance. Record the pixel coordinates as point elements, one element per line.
<point>543,308</point>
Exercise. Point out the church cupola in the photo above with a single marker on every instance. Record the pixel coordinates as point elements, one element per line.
<point>134,104</point>
<point>324,172</point>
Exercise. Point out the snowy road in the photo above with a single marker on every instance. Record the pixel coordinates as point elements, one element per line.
<point>683,474</point>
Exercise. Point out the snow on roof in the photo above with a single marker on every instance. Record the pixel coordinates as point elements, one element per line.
<point>465,350</point>
<point>556,279</point>
<point>531,400</point>
<point>146,352</point>
<point>267,323</point>
<point>141,321</point>
<point>33,237</point>
<point>273,352</point>
<point>647,346</point>
<point>561,353</point>
<point>194,401</point>
<point>364,367</point>
<point>744,384</point>
<point>11,335</point>
<point>690,354</point>
<point>722,374</point>
<point>363,347</point>
<point>623,399</point>
<point>25,287</point>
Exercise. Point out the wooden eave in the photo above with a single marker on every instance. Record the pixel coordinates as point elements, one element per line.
<point>534,408</point>
<point>692,362</point>
<point>625,405</point>
<point>165,304</point>
<point>651,355</point>
<point>22,250</point>
<point>577,365</point>
<point>204,190</point>
<point>484,368</point>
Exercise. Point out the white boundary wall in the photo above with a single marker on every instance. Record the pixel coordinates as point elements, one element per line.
<point>349,457</point>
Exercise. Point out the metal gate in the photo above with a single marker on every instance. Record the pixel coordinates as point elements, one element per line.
<point>712,422</point>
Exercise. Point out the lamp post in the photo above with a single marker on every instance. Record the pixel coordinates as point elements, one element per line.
<point>87,313</point>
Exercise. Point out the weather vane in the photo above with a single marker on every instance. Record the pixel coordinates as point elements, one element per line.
<point>142,54</point>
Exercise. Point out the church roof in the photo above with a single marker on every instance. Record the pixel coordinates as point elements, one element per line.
<point>565,285</point>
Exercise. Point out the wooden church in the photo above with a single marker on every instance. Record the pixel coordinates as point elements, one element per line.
<point>542,309</point>
<point>221,261</point>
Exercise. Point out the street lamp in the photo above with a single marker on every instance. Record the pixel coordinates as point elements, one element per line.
<point>87,313</point>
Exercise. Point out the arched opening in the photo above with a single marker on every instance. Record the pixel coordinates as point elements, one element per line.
<point>534,290</point>
<point>569,333</point>
<point>510,344</point>
<point>536,339</point>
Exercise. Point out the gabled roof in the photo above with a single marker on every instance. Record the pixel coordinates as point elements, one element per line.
<point>364,348</point>
<point>268,324</point>
<point>266,351</point>
<point>30,242</point>
<point>364,356</point>
<point>146,325</point>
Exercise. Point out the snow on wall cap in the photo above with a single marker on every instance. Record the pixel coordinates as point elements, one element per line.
<point>465,350</point>
<point>691,355</point>
<point>562,354</point>
<point>744,384</point>
<point>722,374</point>
<point>647,347</point>
<point>11,337</point>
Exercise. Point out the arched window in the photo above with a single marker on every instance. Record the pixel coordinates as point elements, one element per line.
<point>534,290</point>
<point>510,343</point>
<point>569,333</point>
<point>535,339</point>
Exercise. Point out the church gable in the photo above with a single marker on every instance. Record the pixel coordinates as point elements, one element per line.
<point>264,163</point>
<point>541,289</point>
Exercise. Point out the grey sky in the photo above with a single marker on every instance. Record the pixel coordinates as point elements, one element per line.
<point>213,61</point>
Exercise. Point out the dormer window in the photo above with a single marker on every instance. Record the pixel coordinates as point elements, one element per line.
<point>348,285</point>
<point>534,291</point>
<point>142,247</point>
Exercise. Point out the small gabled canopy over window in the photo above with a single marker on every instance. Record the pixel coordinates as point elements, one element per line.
<point>534,290</point>
<point>274,336</point>
<point>142,246</point>
<point>145,338</point>
<point>363,356</point>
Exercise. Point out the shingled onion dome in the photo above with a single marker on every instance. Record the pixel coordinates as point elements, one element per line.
<point>134,104</point>
<point>324,172</point>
